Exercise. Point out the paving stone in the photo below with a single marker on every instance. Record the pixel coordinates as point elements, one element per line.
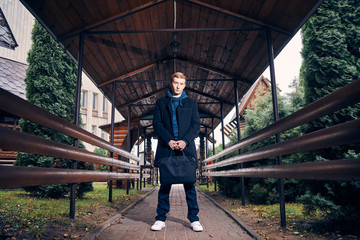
<point>136,223</point>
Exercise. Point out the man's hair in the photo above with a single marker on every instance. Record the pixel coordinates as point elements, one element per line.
<point>178,75</point>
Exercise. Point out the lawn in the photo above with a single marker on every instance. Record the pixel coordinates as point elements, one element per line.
<point>27,217</point>
<point>24,214</point>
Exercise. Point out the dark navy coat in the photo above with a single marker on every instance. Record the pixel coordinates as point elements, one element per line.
<point>188,121</point>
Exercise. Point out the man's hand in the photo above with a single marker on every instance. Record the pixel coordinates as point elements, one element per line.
<point>180,145</point>
<point>173,144</point>
<point>177,145</point>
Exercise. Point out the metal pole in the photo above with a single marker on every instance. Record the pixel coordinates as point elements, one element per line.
<point>222,125</point>
<point>148,149</point>
<point>213,135</point>
<point>276,118</point>
<point>202,150</point>
<point>141,169</point>
<point>128,146</point>
<point>213,143</point>
<point>222,132</point>
<point>138,153</point>
<point>112,134</point>
<point>206,154</point>
<point>239,138</point>
<point>145,140</point>
<point>206,143</point>
<point>77,119</point>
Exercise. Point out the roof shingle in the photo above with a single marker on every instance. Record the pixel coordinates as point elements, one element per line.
<point>12,75</point>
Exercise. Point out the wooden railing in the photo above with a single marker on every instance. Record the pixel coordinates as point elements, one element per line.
<point>336,169</point>
<point>344,133</point>
<point>18,141</point>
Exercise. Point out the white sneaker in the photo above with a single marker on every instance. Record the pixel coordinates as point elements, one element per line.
<point>158,225</point>
<point>196,226</point>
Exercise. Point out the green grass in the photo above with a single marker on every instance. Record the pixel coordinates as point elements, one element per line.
<point>20,211</point>
<point>293,211</point>
<point>204,188</point>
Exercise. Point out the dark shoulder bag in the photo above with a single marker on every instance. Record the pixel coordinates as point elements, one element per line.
<point>177,169</point>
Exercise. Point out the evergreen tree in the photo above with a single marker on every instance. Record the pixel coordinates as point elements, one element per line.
<point>331,40</point>
<point>105,153</point>
<point>50,84</point>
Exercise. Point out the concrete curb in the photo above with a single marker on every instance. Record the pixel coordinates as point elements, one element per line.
<point>95,232</point>
<point>246,227</point>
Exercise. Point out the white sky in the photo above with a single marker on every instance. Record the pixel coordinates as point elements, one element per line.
<point>287,64</point>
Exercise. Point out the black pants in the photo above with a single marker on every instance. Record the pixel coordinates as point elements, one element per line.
<point>163,206</point>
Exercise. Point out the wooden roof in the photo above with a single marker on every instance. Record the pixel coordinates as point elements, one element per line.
<point>130,42</point>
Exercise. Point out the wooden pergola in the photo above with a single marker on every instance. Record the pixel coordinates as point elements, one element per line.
<point>130,48</point>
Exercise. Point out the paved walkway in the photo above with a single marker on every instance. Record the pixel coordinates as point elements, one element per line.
<point>136,222</point>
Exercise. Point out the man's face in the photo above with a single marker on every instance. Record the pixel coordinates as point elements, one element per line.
<point>177,86</point>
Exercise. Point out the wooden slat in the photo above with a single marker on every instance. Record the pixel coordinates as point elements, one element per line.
<point>8,154</point>
<point>15,176</point>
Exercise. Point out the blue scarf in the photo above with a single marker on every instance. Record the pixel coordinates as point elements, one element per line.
<point>175,101</point>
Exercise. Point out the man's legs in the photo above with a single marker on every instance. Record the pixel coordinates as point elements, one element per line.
<point>163,206</point>
<point>193,208</point>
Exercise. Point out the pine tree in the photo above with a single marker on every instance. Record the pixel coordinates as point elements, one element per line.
<point>331,40</point>
<point>50,84</point>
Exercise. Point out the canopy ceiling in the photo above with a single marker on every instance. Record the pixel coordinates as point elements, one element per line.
<point>130,42</point>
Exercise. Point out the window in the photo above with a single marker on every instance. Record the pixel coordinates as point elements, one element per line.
<point>93,129</point>
<point>103,135</point>
<point>104,108</point>
<point>83,99</point>
<point>95,99</point>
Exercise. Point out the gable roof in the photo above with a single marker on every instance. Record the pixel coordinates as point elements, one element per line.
<point>243,104</point>
<point>7,38</point>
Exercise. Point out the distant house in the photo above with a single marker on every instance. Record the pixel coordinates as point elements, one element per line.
<point>258,89</point>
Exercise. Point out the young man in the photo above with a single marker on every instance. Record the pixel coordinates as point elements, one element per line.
<point>177,124</point>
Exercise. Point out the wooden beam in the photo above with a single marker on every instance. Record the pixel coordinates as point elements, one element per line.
<point>209,96</point>
<point>240,16</point>
<point>110,19</point>
<point>160,30</point>
<point>14,176</point>
<point>208,113</point>
<point>128,74</point>
<point>339,170</point>
<point>148,95</point>
<point>217,71</point>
